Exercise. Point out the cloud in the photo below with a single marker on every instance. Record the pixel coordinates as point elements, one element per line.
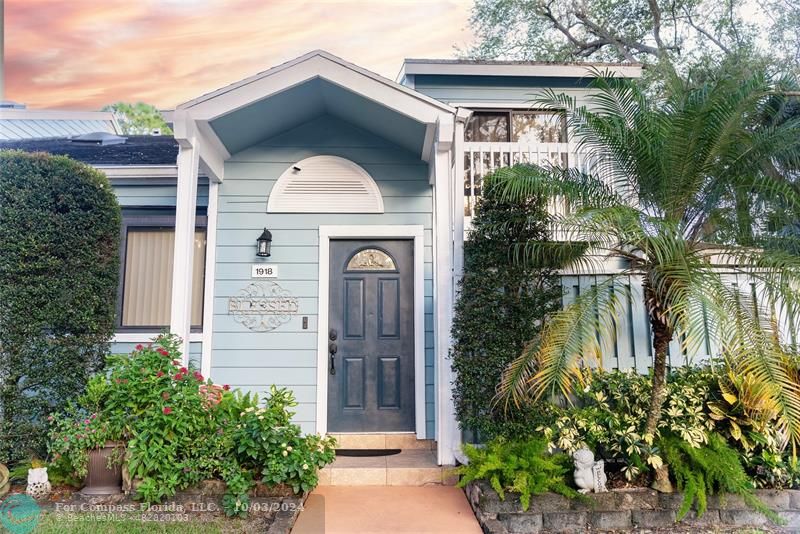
<point>84,54</point>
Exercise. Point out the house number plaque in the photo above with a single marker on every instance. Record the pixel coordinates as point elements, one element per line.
<point>263,306</point>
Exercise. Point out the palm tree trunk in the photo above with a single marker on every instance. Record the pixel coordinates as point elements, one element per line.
<point>662,335</point>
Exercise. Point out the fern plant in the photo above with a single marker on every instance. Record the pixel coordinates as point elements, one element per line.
<point>708,469</point>
<point>524,467</point>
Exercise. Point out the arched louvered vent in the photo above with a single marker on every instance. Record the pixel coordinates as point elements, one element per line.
<point>325,184</point>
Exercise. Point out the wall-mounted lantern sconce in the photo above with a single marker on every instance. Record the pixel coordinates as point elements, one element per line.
<point>264,244</point>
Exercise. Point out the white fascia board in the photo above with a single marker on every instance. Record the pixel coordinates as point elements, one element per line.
<point>543,70</point>
<point>323,65</point>
<point>139,171</point>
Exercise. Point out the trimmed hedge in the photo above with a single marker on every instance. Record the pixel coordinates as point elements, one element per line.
<point>59,270</point>
<point>500,308</point>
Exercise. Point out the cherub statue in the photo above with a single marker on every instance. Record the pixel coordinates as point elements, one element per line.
<point>589,475</point>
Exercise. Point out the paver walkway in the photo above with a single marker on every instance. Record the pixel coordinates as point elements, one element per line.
<point>382,509</point>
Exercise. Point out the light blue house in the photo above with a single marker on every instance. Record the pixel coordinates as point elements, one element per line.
<point>360,189</point>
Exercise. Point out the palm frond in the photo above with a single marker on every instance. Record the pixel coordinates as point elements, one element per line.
<point>568,343</point>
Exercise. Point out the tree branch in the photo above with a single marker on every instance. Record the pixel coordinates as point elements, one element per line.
<point>655,11</point>
<point>705,33</point>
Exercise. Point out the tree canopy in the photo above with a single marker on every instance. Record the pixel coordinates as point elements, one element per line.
<point>683,33</point>
<point>138,118</point>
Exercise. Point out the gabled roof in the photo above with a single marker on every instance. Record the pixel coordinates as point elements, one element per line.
<point>247,112</point>
<point>303,59</point>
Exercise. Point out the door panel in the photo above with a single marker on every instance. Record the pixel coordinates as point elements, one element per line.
<point>371,359</point>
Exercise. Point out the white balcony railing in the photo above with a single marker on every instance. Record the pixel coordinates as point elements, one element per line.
<point>481,159</point>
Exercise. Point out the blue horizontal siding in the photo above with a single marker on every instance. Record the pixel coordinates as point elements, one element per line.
<point>287,356</point>
<point>497,90</point>
<point>144,194</point>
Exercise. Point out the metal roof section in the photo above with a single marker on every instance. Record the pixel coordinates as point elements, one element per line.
<point>19,123</point>
<point>468,67</point>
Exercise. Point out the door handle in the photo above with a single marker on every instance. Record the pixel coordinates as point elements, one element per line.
<point>332,349</point>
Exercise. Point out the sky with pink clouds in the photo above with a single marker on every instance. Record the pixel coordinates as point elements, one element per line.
<point>83,54</point>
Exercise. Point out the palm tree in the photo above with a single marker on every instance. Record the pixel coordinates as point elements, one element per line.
<point>658,173</point>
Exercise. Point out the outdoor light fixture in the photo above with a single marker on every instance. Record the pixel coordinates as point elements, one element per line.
<point>264,244</point>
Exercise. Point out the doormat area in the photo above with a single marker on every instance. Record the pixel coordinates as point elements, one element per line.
<point>367,452</point>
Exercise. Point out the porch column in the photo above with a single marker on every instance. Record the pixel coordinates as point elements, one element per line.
<point>446,426</point>
<point>183,257</point>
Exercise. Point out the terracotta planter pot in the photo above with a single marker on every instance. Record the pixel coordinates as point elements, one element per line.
<point>102,480</point>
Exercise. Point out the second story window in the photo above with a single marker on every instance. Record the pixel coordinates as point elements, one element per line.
<point>526,127</point>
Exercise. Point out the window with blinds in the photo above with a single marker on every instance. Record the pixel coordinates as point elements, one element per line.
<point>147,279</point>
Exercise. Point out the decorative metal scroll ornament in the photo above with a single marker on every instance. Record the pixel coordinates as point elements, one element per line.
<point>263,306</point>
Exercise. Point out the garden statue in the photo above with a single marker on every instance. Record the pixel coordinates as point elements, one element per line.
<point>5,480</point>
<point>589,475</point>
<point>38,484</point>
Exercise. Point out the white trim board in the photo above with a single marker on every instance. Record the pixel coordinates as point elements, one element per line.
<point>145,337</point>
<point>210,275</point>
<point>326,233</point>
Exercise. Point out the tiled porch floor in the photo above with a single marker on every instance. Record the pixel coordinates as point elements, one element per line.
<point>373,510</point>
<point>412,467</point>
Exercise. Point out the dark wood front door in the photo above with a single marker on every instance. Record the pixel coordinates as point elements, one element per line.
<point>371,336</point>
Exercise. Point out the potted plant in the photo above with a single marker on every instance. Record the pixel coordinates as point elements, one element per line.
<point>87,446</point>
<point>5,480</point>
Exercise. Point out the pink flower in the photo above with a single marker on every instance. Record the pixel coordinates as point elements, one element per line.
<point>86,422</point>
<point>160,374</point>
<point>167,410</point>
<point>198,376</point>
<point>176,363</point>
<point>184,370</point>
<point>179,376</point>
<point>139,347</point>
<point>226,387</point>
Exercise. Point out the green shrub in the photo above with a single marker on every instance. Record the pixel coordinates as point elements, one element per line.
<point>706,470</point>
<point>501,307</point>
<point>59,270</point>
<point>524,467</point>
<point>611,414</point>
<point>179,429</point>
<point>743,411</point>
<point>266,441</point>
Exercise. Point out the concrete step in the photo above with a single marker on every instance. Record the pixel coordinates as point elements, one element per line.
<point>416,467</point>
<point>406,440</point>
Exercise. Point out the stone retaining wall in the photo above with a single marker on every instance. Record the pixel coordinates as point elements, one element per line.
<point>621,510</point>
<point>273,509</point>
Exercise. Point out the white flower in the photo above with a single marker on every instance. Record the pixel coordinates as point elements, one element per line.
<point>260,417</point>
<point>241,414</point>
<point>305,466</point>
<point>289,448</point>
<point>285,453</point>
<point>250,409</point>
<point>283,445</point>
